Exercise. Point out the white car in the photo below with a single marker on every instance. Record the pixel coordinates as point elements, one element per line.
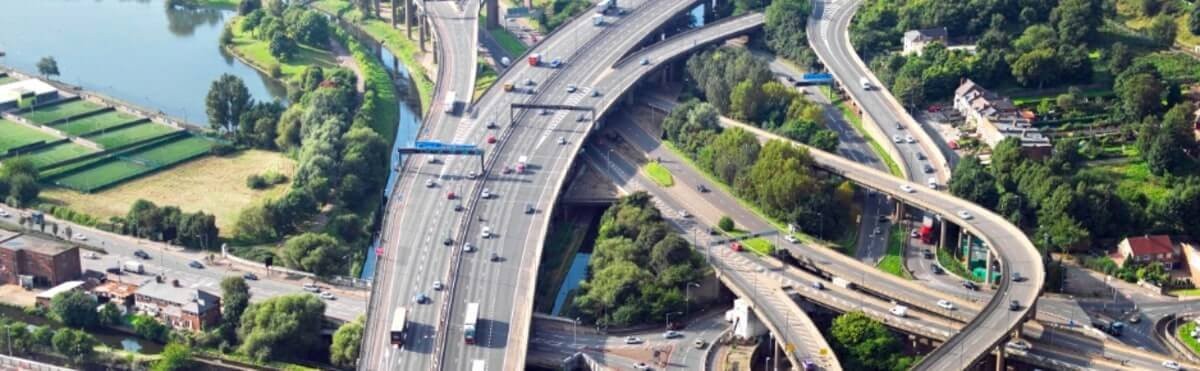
<point>932,182</point>
<point>899,311</point>
<point>468,247</point>
<point>91,255</point>
<point>964,214</point>
<point>685,214</point>
<point>472,175</point>
<point>633,340</point>
<point>897,139</point>
<point>486,232</point>
<point>945,304</point>
<point>80,236</point>
<point>1018,345</point>
<point>1172,365</point>
<point>327,296</point>
<point>311,287</point>
<point>437,286</point>
<point>486,194</point>
<point>671,334</point>
<point>3,213</point>
<point>907,188</point>
<point>909,139</point>
<point>791,238</point>
<point>641,366</point>
<point>571,88</point>
<point>562,141</point>
<point>429,183</point>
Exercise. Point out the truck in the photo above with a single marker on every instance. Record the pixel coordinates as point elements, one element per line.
<point>598,19</point>
<point>926,232</point>
<point>1108,325</point>
<point>478,365</point>
<point>843,283</point>
<point>521,162</point>
<point>535,59</point>
<point>451,101</point>
<point>470,321</point>
<point>607,6</point>
<point>399,326</point>
<point>133,267</point>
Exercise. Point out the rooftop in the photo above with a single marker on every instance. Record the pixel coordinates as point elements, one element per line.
<point>14,90</point>
<point>926,34</point>
<point>115,289</point>
<point>1151,245</point>
<point>190,299</point>
<point>17,242</point>
<point>64,287</point>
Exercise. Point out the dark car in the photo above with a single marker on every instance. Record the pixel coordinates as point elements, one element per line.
<point>250,276</point>
<point>970,285</point>
<point>1016,277</point>
<point>141,254</point>
<point>702,188</point>
<point>935,268</point>
<point>492,125</point>
<point>195,264</point>
<point>1014,305</point>
<point>928,169</point>
<point>529,209</point>
<point>458,207</point>
<point>448,241</point>
<point>113,270</point>
<point>495,257</point>
<point>927,254</point>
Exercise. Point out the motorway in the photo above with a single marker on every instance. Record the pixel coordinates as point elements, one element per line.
<point>550,339</point>
<point>173,261</point>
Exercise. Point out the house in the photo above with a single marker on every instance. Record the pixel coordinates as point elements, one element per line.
<point>35,261</point>
<point>915,40</point>
<point>1148,249</point>
<point>120,293</point>
<point>13,94</point>
<point>44,298</point>
<point>996,118</point>
<point>179,307</point>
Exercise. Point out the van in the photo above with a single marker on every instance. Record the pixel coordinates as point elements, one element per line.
<point>899,310</point>
<point>133,267</point>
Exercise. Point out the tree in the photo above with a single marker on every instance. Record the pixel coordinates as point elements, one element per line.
<point>1162,30</point>
<point>1119,57</point>
<point>174,356</point>
<point>725,223</point>
<point>1194,21</point>
<point>109,315</point>
<point>17,337</point>
<point>318,253</point>
<point>245,7</point>
<point>47,66</point>
<point>227,99</point>
<point>1141,93</point>
<point>282,47</point>
<point>1036,68</point>
<point>785,25</point>
<point>346,341</point>
<point>971,181</point>
<point>149,328</point>
<point>863,343</point>
<point>235,297</point>
<point>312,29</point>
<point>1076,20</point>
<point>75,309</point>
<point>23,190</point>
<point>75,344</point>
<point>281,327</point>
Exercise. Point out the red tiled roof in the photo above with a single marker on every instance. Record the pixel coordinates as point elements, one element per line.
<point>1151,245</point>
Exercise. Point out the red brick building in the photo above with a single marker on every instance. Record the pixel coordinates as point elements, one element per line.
<point>44,262</point>
<point>179,307</point>
<point>1146,249</point>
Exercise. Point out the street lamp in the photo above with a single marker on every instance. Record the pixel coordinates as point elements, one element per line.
<point>574,334</point>
<point>668,320</point>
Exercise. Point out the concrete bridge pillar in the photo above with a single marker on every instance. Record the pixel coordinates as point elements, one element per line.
<point>899,212</point>
<point>493,11</point>
<point>942,238</point>
<point>987,265</point>
<point>408,7</point>
<point>422,22</point>
<point>394,13</point>
<point>1000,358</point>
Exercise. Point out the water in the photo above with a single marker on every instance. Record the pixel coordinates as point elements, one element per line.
<point>575,275</point>
<point>138,51</point>
<point>104,335</point>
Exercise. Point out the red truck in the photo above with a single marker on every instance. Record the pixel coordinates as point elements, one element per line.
<point>926,231</point>
<point>534,59</point>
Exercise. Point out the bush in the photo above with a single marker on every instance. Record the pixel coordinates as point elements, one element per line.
<point>222,149</point>
<point>255,181</point>
<point>274,177</point>
<point>726,223</point>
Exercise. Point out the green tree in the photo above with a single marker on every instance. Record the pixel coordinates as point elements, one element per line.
<point>109,315</point>
<point>972,181</point>
<point>47,66</point>
<point>1162,30</point>
<point>1036,68</point>
<point>235,297</point>
<point>17,337</point>
<point>1194,21</point>
<point>312,29</point>
<point>149,328</point>
<point>281,327</point>
<point>75,309</point>
<point>282,47</point>
<point>1076,20</point>
<point>227,99</point>
<point>346,341</point>
<point>1119,57</point>
<point>174,356</point>
<point>726,223</point>
<point>245,7</point>
<point>1141,93</point>
<point>76,345</point>
<point>785,25</point>
<point>317,253</point>
<point>863,343</point>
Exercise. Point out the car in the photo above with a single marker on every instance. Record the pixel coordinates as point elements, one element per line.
<point>882,218</point>
<point>936,269</point>
<point>701,188</point>
<point>113,270</point>
<point>898,126</point>
<point>808,365</point>
<point>486,194</point>
<point>581,118</point>
<point>492,125</point>
<point>249,276</point>
<point>529,82</point>
<point>921,155</point>
<point>468,247</point>
<point>818,285</point>
<point>927,169</point>
<point>3,214</point>
<point>495,257</point>
<point>80,236</point>
<point>90,255</point>
<point>544,112</point>
<point>557,62</point>
<point>927,254</point>
<point>641,366</point>
<point>875,232</point>
<point>450,195</point>
<point>685,214</point>
<point>912,233</point>
<point>907,188</point>
<point>486,233</point>
<point>429,183</point>
<point>1016,277</point>
<point>195,264</point>
<point>595,93</point>
<point>633,340</point>
<point>1135,317</point>
<point>1014,305</point>
<point>420,298</point>
<point>141,254</point>
<point>945,304</point>
<point>964,214</point>
<point>897,139</point>
<point>448,241</point>
<point>571,88</point>
<point>791,238</point>
<point>932,183</point>
<point>327,296</point>
<point>1018,345</point>
<point>507,170</point>
<point>433,160</point>
<point>645,61</point>
<point>472,175</point>
<point>699,343</point>
<point>1171,365</point>
<point>310,287</point>
<point>970,286</point>
<point>529,209</point>
<point>909,139</point>
<point>671,334</point>
<point>562,140</point>
<point>735,247</point>
<point>458,207</point>
<point>437,285</point>
<point>491,139</point>
<point>898,310</point>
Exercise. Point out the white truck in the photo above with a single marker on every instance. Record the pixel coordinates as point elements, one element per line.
<point>133,267</point>
<point>521,163</point>
<point>451,101</point>
<point>472,319</point>
<point>843,283</point>
<point>598,20</point>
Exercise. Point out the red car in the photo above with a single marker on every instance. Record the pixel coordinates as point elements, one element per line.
<point>450,195</point>
<point>736,246</point>
<point>491,139</point>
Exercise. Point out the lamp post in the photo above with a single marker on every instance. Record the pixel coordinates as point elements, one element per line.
<point>574,333</point>
<point>668,319</point>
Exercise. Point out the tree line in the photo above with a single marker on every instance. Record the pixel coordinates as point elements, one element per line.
<point>19,182</point>
<point>144,219</point>
<point>283,27</point>
<point>639,267</point>
<point>777,177</point>
<point>742,86</point>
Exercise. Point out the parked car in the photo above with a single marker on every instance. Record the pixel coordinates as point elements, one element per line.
<point>195,264</point>
<point>141,254</point>
<point>249,276</point>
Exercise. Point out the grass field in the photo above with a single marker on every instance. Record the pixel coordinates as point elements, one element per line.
<point>659,174</point>
<point>58,152</point>
<point>386,114</point>
<point>214,184</point>
<point>1132,180</point>
<point>104,173</point>
<point>257,52</point>
<point>14,135</point>
<point>123,136</point>
<point>408,52</point>
<point>759,246</point>
<point>57,111</point>
<point>507,40</point>
<point>95,122</point>
<point>485,77</point>
<point>893,260</point>
<point>955,266</point>
<point>1186,292</point>
<point>1184,334</point>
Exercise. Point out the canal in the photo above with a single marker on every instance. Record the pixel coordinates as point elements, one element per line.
<point>143,52</point>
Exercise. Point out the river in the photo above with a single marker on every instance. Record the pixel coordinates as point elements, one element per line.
<point>139,51</point>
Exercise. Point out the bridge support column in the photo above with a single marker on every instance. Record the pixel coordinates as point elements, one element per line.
<point>987,265</point>
<point>493,11</point>
<point>942,238</point>
<point>1000,358</point>
<point>408,7</point>
<point>422,25</point>
<point>899,212</point>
